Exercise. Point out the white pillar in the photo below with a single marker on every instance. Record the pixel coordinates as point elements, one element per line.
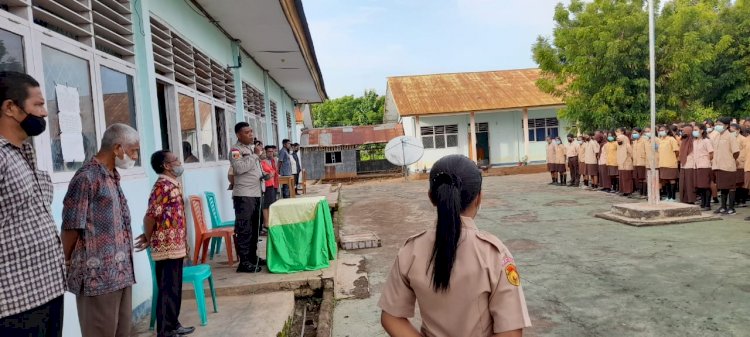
<point>473,137</point>
<point>526,133</point>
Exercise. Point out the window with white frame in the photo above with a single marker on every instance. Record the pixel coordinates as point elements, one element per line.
<point>12,57</point>
<point>439,136</point>
<point>540,128</point>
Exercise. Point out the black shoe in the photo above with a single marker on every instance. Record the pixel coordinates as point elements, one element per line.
<point>261,262</point>
<point>720,211</point>
<point>249,268</point>
<point>708,209</point>
<point>716,200</point>
<point>730,211</point>
<point>553,183</point>
<point>184,330</point>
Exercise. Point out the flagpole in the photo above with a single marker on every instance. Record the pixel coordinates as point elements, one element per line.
<point>653,182</point>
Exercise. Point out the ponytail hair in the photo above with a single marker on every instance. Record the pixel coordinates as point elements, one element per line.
<point>455,182</point>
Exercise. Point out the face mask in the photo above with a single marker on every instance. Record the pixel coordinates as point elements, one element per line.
<point>636,136</point>
<point>558,142</point>
<point>125,163</point>
<point>178,170</point>
<point>709,129</point>
<point>647,135</point>
<point>662,133</point>
<point>719,128</point>
<point>696,134</point>
<point>33,125</point>
<point>610,138</point>
<point>580,141</point>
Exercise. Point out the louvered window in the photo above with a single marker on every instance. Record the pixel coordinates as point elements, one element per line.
<point>439,136</point>
<point>254,100</point>
<point>274,121</point>
<point>540,128</point>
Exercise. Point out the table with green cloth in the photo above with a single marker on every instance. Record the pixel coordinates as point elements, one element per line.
<point>300,235</point>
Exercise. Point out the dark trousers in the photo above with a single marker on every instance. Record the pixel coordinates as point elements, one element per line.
<point>285,191</point>
<point>45,320</point>
<point>169,299</point>
<point>246,228</point>
<point>575,173</point>
<point>296,180</point>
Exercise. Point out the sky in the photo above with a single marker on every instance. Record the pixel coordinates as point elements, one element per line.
<point>360,43</point>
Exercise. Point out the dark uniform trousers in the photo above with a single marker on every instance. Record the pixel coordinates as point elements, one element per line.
<point>246,228</point>
<point>575,173</point>
<point>45,320</point>
<point>169,298</point>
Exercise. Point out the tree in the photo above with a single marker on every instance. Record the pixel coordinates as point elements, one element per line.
<point>349,110</point>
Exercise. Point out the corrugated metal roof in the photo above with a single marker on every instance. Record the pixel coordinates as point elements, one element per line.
<point>464,92</point>
<point>350,135</point>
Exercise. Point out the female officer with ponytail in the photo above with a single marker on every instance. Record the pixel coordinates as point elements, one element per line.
<point>464,279</point>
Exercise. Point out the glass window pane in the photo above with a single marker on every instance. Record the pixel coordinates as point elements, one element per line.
<point>119,98</point>
<point>553,132</point>
<point>221,134</point>
<point>67,71</point>
<point>540,134</point>
<point>207,132</point>
<point>532,135</point>
<point>439,141</point>
<point>428,142</point>
<point>11,52</point>
<point>452,140</point>
<point>189,131</point>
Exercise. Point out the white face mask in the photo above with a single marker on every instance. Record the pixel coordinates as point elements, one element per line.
<point>125,163</point>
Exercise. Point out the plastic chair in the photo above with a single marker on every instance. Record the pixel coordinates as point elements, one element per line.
<point>193,274</point>
<point>204,235</point>
<point>213,211</point>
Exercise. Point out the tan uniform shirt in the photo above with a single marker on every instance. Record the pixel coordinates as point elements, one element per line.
<point>743,153</point>
<point>581,152</point>
<point>551,156</point>
<point>485,295</point>
<point>651,155</point>
<point>592,149</point>
<point>713,134</point>
<point>725,146</point>
<point>702,149</point>
<point>611,149</point>
<point>747,157</point>
<point>667,147</point>
<point>560,154</point>
<point>639,148</point>
<point>246,167</point>
<point>572,149</point>
<point>602,154</point>
<point>624,154</point>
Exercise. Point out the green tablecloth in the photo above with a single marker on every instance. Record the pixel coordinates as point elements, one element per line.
<point>300,235</point>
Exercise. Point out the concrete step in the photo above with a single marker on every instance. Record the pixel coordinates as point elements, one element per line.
<point>261,315</point>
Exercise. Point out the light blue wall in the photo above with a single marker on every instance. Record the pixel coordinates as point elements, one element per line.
<point>537,150</point>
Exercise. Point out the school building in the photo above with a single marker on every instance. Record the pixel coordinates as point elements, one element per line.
<point>497,118</point>
<point>182,72</point>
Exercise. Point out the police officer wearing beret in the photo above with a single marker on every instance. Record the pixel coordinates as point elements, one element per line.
<point>246,199</point>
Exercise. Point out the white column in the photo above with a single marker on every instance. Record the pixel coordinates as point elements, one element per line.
<point>526,133</point>
<point>473,137</point>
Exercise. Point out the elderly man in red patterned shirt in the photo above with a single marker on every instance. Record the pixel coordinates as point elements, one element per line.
<point>165,233</point>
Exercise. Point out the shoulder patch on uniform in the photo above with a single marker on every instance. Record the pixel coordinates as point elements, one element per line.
<point>511,274</point>
<point>236,154</point>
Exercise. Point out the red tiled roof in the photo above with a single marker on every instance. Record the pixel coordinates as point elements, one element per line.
<point>350,135</point>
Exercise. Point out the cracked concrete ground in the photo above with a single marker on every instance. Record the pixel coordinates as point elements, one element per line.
<point>582,276</point>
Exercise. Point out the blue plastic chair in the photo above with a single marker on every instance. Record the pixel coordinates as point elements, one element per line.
<point>213,210</point>
<point>193,274</point>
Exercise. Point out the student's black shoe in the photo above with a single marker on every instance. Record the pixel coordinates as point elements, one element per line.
<point>553,183</point>
<point>715,200</point>
<point>249,268</point>
<point>261,262</point>
<point>184,330</point>
<point>707,209</point>
<point>720,211</point>
<point>730,211</point>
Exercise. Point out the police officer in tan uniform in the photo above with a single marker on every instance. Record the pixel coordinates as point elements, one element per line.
<point>465,280</point>
<point>246,199</point>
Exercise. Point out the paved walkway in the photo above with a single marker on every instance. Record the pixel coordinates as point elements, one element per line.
<point>582,276</point>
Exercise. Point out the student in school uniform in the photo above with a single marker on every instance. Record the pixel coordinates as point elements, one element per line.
<point>639,161</point>
<point>552,160</point>
<point>726,152</point>
<point>582,161</point>
<point>571,151</point>
<point>687,166</point>
<point>560,160</point>
<point>604,179</point>
<point>611,149</point>
<point>668,152</point>
<point>746,168</point>
<point>703,151</point>
<point>741,193</point>
<point>591,159</point>
<point>625,163</point>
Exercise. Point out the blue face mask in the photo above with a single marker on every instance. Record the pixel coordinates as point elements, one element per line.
<point>662,133</point>
<point>611,139</point>
<point>696,134</point>
<point>719,128</point>
<point>636,135</point>
<point>580,141</point>
<point>647,135</point>
<point>558,142</point>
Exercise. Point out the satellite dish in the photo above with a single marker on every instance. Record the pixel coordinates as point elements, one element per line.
<point>403,151</point>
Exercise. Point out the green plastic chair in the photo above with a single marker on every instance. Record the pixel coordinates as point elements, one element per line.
<point>216,222</point>
<point>193,274</point>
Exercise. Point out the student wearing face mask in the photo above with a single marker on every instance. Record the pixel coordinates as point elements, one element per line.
<point>639,148</point>
<point>611,150</point>
<point>552,160</point>
<point>560,160</point>
<point>604,179</point>
<point>624,163</point>
<point>571,151</point>
<point>687,166</point>
<point>668,172</point>
<point>582,161</point>
<point>741,193</point>
<point>724,165</point>
<point>591,154</point>
<point>97,237</point>
<point>703,152</point>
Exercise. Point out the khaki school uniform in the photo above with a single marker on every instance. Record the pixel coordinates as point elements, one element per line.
<point>713,134</point>
<point>551,157</point>
<point>485,295</point>
<point>640,146</point>
<point>701,156</point>
<point>589,157</point>
<point>724,165</point>
<point>604,180</point>
<point>582,158</point>
<point>667,158</point>
<point>746,167</point>
<point>740,174</point>
<point>687,177</point>
<point>571,152</point>
<point>611,149</point>
<point>625,164</point>
<point>560,158</point>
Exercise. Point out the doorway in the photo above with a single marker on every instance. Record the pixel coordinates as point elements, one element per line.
<point>482,147</point>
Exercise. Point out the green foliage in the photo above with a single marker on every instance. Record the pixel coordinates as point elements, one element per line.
<point>372,152</point>
<point>597,61</point>
<point>349,110</point>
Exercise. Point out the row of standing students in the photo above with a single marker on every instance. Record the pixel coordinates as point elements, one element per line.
<point>696,163</point>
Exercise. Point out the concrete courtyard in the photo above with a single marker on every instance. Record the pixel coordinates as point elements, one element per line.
<point>582,276</point>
